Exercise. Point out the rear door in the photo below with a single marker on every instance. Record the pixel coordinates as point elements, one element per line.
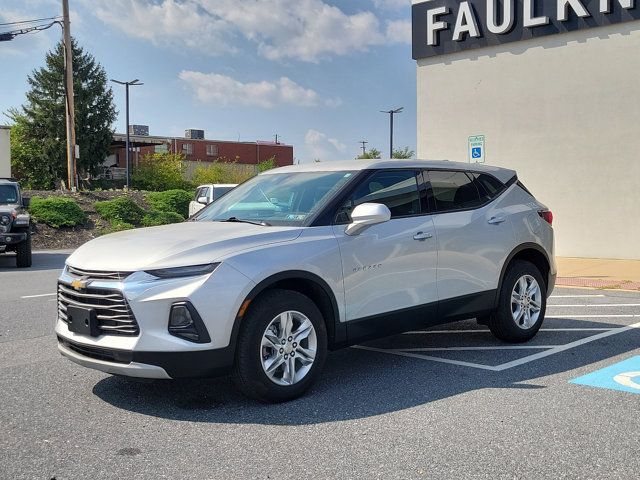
<point>389,267</point>
<point>474,236</point>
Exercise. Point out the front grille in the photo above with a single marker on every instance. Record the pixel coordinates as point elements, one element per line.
<point>112,310</point>
<point>104,354</point>
<point>97,275</point>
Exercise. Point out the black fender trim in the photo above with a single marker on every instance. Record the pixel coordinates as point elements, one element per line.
<point>511,256</point>
<point>336,331</point>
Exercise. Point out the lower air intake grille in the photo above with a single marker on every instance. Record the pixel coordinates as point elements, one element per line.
<point>112,310</point>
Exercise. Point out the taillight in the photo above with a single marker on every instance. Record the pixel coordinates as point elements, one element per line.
<point>547,215</point>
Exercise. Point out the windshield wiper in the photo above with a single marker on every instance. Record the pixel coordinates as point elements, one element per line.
<point>240,220</point>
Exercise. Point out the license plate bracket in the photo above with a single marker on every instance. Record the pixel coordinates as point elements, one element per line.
<point>83,321</point>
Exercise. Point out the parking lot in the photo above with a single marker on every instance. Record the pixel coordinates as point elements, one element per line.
<point>448,402</point>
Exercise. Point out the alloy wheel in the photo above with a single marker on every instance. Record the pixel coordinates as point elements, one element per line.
<point>288,348</point>
<point>526,302</point>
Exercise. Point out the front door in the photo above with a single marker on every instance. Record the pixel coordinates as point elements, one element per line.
<point>389,269</point>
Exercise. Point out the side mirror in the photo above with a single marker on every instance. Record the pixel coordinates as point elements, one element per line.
<point>366,215</point>
<point>26,201</point>
<point>203,200</point>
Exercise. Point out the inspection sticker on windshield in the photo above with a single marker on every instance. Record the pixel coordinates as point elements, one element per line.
<point>292,216</point>
<point>624,376</point>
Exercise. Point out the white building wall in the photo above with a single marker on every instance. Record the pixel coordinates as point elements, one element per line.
<point>564,111</point>
<point>5,152</point>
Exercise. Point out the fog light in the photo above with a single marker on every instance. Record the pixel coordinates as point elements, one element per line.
<point>184,322</point>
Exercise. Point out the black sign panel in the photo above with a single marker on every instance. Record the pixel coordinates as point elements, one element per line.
<point>442,35</point>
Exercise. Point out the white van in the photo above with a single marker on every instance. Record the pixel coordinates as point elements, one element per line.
<point>205,194</point>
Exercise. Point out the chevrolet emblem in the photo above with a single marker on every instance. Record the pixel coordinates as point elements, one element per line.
<point>79,284</point>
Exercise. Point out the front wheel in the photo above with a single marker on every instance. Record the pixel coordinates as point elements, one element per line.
<point>281,348</point>
<point>23,253</point>
<point>522,304</point>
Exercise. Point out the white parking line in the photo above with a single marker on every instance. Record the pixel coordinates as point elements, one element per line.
<point>575,296</point>
<point>549,349</point>
<point>595,329</point>
<point>41,295</point>
<point>599,305</point>
<point>569,317</point>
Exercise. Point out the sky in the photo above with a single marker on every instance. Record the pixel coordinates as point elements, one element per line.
<point>315,72</point>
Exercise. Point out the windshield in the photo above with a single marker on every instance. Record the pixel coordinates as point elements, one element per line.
<point>8,194</point>
<point>277,198</point>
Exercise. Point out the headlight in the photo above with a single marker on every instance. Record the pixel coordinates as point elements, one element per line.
<point>177,272</point>
<point>5,220</point>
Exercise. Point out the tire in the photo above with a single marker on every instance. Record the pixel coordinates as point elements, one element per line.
<point>23,253</point>
<point>529,309</point>
<point>255,353</point>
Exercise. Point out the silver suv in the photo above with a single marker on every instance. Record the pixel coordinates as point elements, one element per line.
<point>305,259</point>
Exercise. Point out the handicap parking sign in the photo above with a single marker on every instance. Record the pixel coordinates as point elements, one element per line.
<point>476,149</point>
<point>624,376</point>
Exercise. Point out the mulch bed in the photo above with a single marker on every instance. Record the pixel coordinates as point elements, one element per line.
<point>49,238</point>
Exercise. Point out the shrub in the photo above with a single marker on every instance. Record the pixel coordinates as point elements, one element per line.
<point>57,211</point>
<point>117,227</point>
<point>267,164</point>
<point>211,173</point>
<point>160,171</point>
<point>154,218</point>
<point>120,210</point>
<point>176,201</point>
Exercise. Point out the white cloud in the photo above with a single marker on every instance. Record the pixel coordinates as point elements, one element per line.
<point>307,30</point>
<point>392,4</point>
<point>399,31</point>
<point>224,90</point>
<point>322,147</point>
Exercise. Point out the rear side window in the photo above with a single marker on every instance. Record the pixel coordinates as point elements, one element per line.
<point>397,189</point>
<point>454,191</point>
<point>488,185</point>
<point>220,191</point>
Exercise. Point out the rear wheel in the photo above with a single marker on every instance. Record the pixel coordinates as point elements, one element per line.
<point>23,253</point>
<point>522,304</point>
<point>282,347</point>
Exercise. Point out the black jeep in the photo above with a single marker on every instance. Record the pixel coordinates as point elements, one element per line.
<point>15,222</point>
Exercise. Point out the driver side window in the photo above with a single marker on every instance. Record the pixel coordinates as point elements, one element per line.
<point>397,189</point>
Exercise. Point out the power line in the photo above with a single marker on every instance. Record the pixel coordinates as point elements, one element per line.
<point>10,34</point>
<point>35,20</point>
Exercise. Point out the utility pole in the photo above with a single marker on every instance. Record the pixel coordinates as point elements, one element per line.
<point>70,106</point>
<point>135,82</point>
<point>391,114</point>
<point>364,146</point>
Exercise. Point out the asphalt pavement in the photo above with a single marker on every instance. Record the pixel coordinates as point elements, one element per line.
<point>449,402</point>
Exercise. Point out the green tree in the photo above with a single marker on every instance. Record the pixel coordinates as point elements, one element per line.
<point>160,171</point>
<point>40,122</point>
<point>373,153</point>
<point>403,153</point>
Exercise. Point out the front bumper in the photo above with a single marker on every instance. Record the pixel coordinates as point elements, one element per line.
<point>159,365</point>
<point>12,238</point>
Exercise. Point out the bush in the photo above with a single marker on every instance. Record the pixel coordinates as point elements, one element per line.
<point>160,171</point>
<point>57,211</point>
<point>117,227</point>
<point>120,210</point>
<point>155,218</point>
<point>268,164</point>
<point>176,201</point>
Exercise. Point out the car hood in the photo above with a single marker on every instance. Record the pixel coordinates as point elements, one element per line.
<point>177,245</point>
<point>9,208</point>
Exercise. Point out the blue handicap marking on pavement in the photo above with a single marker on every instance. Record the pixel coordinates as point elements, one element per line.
<point>624,376</point>
<point>476,152</point>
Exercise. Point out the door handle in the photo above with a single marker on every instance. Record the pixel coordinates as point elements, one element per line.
<point>422,236</point>
<point>497,220</point>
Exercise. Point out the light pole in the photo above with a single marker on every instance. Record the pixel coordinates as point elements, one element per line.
<point>364,147</point>
<point>134,83</point>
<point>391,114</point>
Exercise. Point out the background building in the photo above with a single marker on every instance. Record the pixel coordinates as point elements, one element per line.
<point>197,149</point>
<point>558,101</point>
<point>5,152</point>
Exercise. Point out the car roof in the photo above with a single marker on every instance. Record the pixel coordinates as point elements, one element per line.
<point>502,174</point>
<point>218,185</point>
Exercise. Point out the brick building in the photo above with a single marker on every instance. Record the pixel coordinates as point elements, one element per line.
<point>196,148</point>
